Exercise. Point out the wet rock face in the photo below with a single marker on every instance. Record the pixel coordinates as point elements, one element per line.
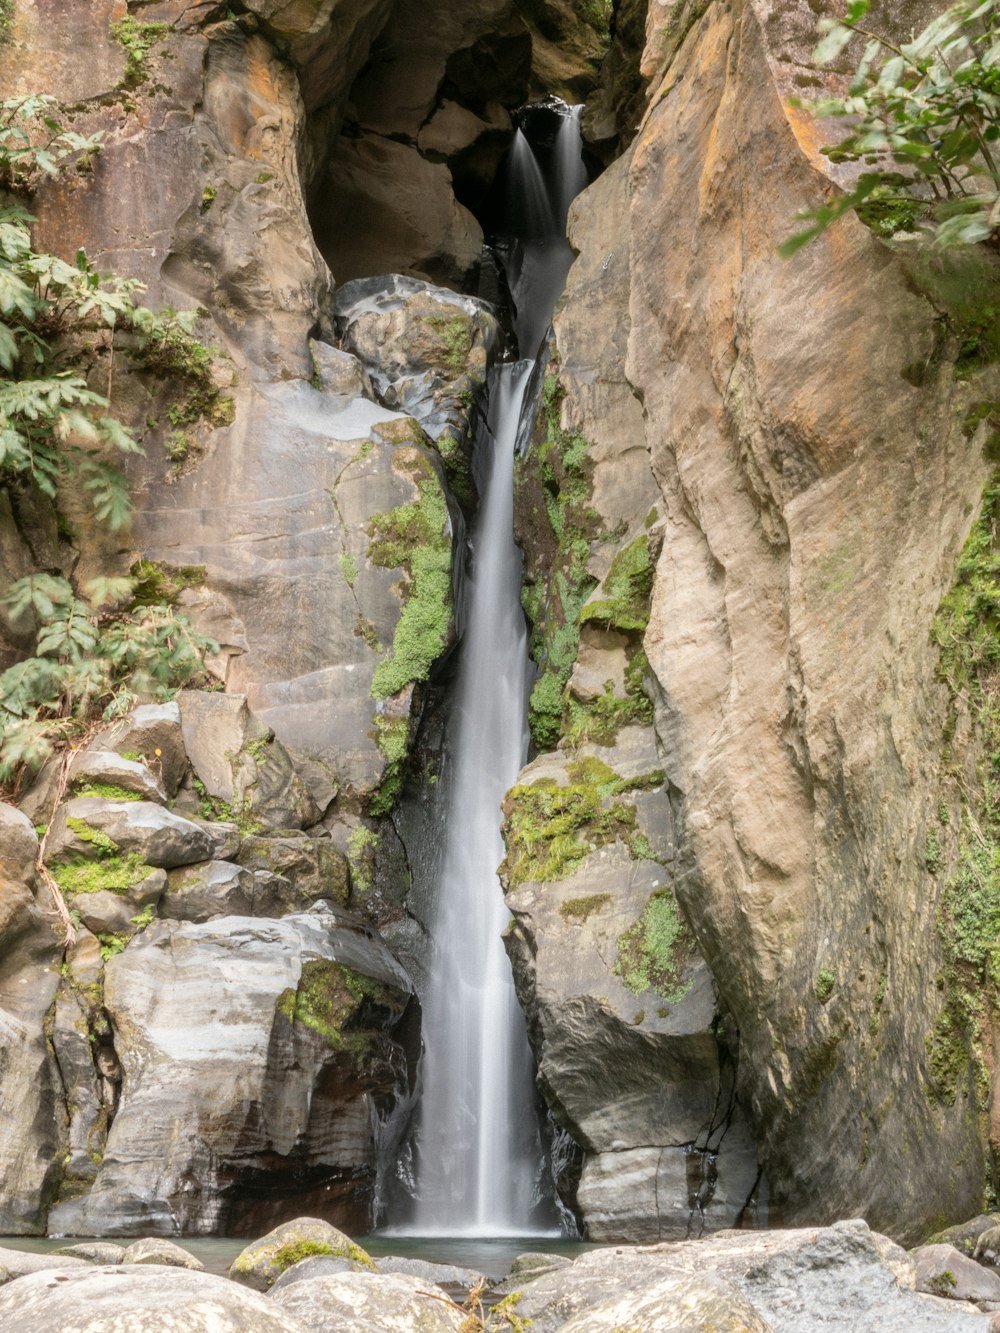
<point>813,502</point>
<point>262,1039</point>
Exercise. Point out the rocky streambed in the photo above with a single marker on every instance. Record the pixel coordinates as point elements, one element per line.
<point>307,1277</point>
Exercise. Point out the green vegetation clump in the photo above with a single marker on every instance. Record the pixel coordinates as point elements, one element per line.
<point>393,739</point>
<point>653,952</point>
<point>341,1006</point>
<point>627,588</point>
<point>549,829</point>
<point>348,568</point>
<point>554,498</point>
<point>94,649</point>
<point>296,1251</point>
<point>361,847</point>
<point>925,117</point>
<point>107,868</point>
<point>966,632</point>
<point>137,40</point>
<point>415,537</point>
<point>582,909</point>
<point>104,791</point>
<point>826,983</point>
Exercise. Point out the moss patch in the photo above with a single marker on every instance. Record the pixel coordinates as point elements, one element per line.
<point>652,953</point>
<point>967,633</point>
<point>580,910</point>
<point>556,523</point>
<point>455,336</point>
<point>105,791</point>
<point>116,873</point>
<point>549,829</point>
<point>345,1008</point>
<point>627,588</point>
<point>416,538</point>
<point>137,40</point>
<point>392,736</point>
<point>298,1250</point>
<point>826,983</point>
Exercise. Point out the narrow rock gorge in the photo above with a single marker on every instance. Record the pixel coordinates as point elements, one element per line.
<point>750,863</point>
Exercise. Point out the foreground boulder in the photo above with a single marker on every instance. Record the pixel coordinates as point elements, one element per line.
<point>843,1278</point>
<point>255,1062</point>
<point>371,1303</point>
<point>144,1298</point>
<point>262,1263</point>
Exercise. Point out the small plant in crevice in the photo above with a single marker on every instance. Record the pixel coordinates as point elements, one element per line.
<point>925,121</point>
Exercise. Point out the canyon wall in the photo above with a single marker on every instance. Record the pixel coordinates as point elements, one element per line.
<point>751,486</point>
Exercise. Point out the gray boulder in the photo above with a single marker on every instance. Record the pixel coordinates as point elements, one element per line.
<point>142,1298</point>
<point>93,1251</point>
<point>108,768</point>
<point>316,1265</point>
<point>448,1276</point>
<point>214,888</point>
<point>250,1050</point>
<point>314,867</point>
<point>674,1305</point>
<point>262,1263</point>
<point>370,1303</point>
<point>944,1271</point>
<point>160,837</point>
<point>105,912</point>
<point>18,843</point>
<point>838,1279</point>
<point>19,1263</point>
<point>156,1250</point>
<point>153,732</point>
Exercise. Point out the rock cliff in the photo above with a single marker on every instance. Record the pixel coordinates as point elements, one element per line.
<point>732,864</point>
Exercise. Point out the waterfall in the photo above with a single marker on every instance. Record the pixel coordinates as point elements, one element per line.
<point>480,1164</point>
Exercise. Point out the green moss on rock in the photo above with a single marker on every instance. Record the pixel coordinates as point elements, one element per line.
<point>345,1008</point>
<point>549,829</point>
<point>627,588</point>
<point>416,538</point>
<point>652,953</point>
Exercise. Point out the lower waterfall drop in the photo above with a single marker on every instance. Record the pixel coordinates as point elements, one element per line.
<point>480,1167</point>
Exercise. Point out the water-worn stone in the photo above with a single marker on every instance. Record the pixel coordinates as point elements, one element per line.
<point>317,1265</point>
<point>152,731</point>
<point>314,867</point>
<point>829,1280</point>
<point>987,1246</point>
<point>104,912</point>
<point>18,844</point>
<point>160,837</point>
<point>110,768</point>
<point>214,888</point>
<point>254,1056</point>
<point>453,1279</point>
<point>674,1305</point>
<point>944,1271</point>
<point>426,349</point>
<point>19,1263</point>
<point>143,1298</point>
<point>156,1250</point>
<point>94,1251</point>
<point>262,1263</point>
<point>370,1303</point>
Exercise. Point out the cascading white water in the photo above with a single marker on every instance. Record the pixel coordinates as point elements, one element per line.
<point>570,170</point>
<point>480,1159</point>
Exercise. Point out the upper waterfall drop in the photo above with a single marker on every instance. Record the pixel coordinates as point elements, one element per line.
<point>480,1165</point>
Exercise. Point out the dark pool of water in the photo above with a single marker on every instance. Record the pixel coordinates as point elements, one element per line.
<point>492,1256</point>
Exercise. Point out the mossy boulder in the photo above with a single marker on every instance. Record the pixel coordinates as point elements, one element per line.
<point>262,1263</point>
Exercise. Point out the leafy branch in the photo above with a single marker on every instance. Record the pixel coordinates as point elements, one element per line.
<point>926,121</point>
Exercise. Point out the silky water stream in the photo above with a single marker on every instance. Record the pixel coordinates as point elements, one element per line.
<point>479,1167</point>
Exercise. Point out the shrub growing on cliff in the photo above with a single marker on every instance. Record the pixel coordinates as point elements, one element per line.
<point>93,648</point>
<point>926,122</point>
